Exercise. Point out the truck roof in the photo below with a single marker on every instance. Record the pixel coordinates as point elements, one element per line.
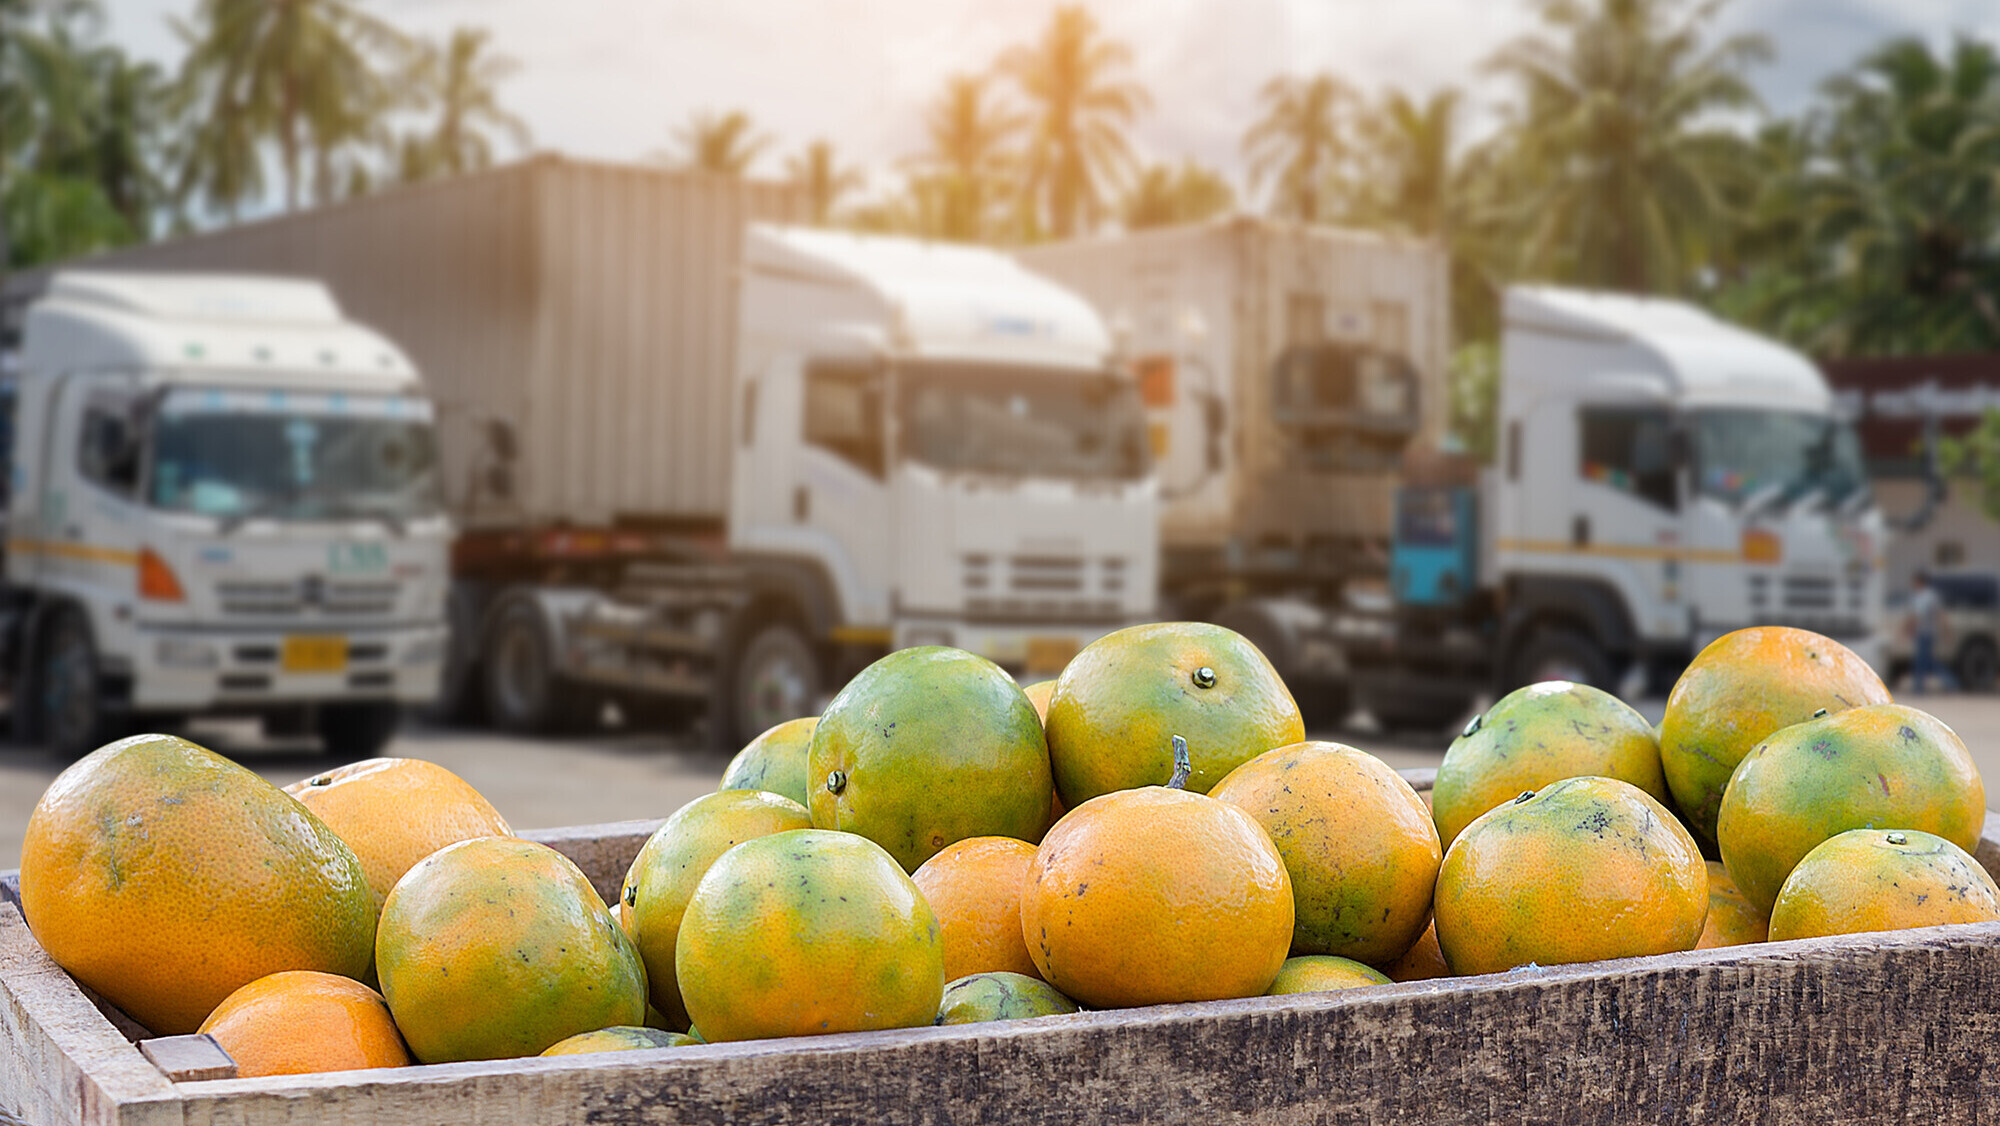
<point>942,299</point>
<point>1705,360</point>
<point>225,327</point>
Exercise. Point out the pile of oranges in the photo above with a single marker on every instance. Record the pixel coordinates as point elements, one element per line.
<point>944,846</point>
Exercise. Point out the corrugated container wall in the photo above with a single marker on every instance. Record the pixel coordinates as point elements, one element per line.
<point>1224,301</point>
<point>591,306</point>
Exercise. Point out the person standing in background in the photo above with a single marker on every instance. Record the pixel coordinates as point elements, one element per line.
<point>1925,612</point>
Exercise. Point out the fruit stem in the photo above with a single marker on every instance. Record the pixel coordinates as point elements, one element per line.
<point>1183,765</point>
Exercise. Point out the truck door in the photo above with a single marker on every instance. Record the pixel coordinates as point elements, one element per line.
<point>88,505</point>
<point>842,487</point>
<point>1626,515</point>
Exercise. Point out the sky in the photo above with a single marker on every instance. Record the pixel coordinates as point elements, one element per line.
<point>614,79</point>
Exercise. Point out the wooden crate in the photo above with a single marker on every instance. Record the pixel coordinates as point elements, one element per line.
<point>1896,1027</point>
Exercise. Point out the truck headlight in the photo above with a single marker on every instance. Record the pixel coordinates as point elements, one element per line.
<point>425,651</point>
<point>185,653</point>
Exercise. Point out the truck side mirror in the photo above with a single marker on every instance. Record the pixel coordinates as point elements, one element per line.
<point>500,437</point>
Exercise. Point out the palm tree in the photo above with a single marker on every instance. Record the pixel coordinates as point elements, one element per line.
<point>723,144</point>
<point>1410,151</point>
<point>965,166</point>
<point>817,172</point>
<point>463,81</point>
<point>1164,196</point>
<point>1077,147</point>
<point>1301,141</point>
<point>299,72</point>
<point>1614,136</point>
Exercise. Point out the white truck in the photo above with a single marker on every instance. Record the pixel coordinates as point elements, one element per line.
<point>1662,477</point>
<point>700,460</point>
<point>221,498</point>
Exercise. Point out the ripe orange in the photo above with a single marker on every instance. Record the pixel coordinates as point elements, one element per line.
<point>394,812</point>
<point>1536,735</point>
<point>1038,694</point>
<point>1878,766</point>
<point>674,859</point>
<point>808,932</point>
<point>974,886</point>
<point>296,1022</point>
<point>1361,851</point>
<point>165,877</point>
<point>774,761</point>
<point>622,1038</point>
<point>1153,895</point>
<point>1119,703</point>
<point>499,947</point>
<point>1000,995</point>
<point>1323,973</point>
<point>928,746</point>
<point>1421,962</point>
<point>1732,921</point>
<point>1586,868</point>
<point>1879,880</point>
<point>1741,688</point>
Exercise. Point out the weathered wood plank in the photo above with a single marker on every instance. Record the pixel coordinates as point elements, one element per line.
<point>186,1059</point>
<point>61,1061</point>
<point>1879,1028</point>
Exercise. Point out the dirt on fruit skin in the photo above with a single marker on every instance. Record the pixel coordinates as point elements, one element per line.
<point>1879,880</point>
<point>999,995</point>
<point>623,1038</point>
<point>165,877</point>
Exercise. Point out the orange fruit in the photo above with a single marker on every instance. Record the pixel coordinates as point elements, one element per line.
<point>928,746</point>
<point>1147,896</point>
<point>394,812</point>
<point>974,886</point>
<point>1740,689</point>
<point>165,877</point>
<point>1361,851</point>
<point>774,761</point>
<point>1584,869</point>
<point>1119,703</point>
<point>1732,921</point>
<point>622,1038</point>
<point>999,995</point>
<point>1880,766</point>
<point>808,932</point>
<point>1421,962</point>
<point>1323,973</point>
<point>1038,694</point>
<point>1880,880</point>
<point>673,860</point>
<point>296,1022</point>
<point>499,947</point>
<point>1536,735</point>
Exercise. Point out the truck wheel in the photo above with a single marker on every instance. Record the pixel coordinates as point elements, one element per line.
<point>68,697</point>
<point>775,677</point>
<point>1978,665</point>
<point>1421,712</point>
<point>1560,654</point>
<point>523,693</point>
<point>358,731</point>
<point>460,696</point>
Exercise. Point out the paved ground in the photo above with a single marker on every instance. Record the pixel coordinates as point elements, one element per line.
<point>543,783</point>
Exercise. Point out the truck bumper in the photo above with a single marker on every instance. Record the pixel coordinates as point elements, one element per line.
<point>175,670</point>
<point>1030,651</point>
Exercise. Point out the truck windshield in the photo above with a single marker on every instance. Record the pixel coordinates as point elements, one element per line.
<point>1022,421</point>
<point>289,456</point>
<point>1789,454</point>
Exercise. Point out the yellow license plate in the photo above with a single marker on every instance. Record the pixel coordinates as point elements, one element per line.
<point>1049,654</point>
<point>315,654</point>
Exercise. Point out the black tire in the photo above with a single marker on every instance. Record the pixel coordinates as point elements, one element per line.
<point>358,731</point>
<point>1418,712</point>
<point>522,690</point>
<point>1324,701</point>
<point>1977,666</point>
<point>774,675</point>
<point>70,717</point>
<point>1561,654</point>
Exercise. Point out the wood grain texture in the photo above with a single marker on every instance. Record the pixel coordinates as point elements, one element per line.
<point>1896,1027</point>
<point>185,1059</point>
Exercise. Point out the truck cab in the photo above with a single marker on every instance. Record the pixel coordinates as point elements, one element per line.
<point>935,444</point>
<point>1662,478</point>
<point>222,500</point>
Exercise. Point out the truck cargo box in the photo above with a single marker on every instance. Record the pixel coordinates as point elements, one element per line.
<point>590,306</point>
<point>1270,436</point>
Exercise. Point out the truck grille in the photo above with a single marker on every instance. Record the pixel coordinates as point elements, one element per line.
<point>279,599</point>
<point>1808,592</point>
<point>1043,588</point>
